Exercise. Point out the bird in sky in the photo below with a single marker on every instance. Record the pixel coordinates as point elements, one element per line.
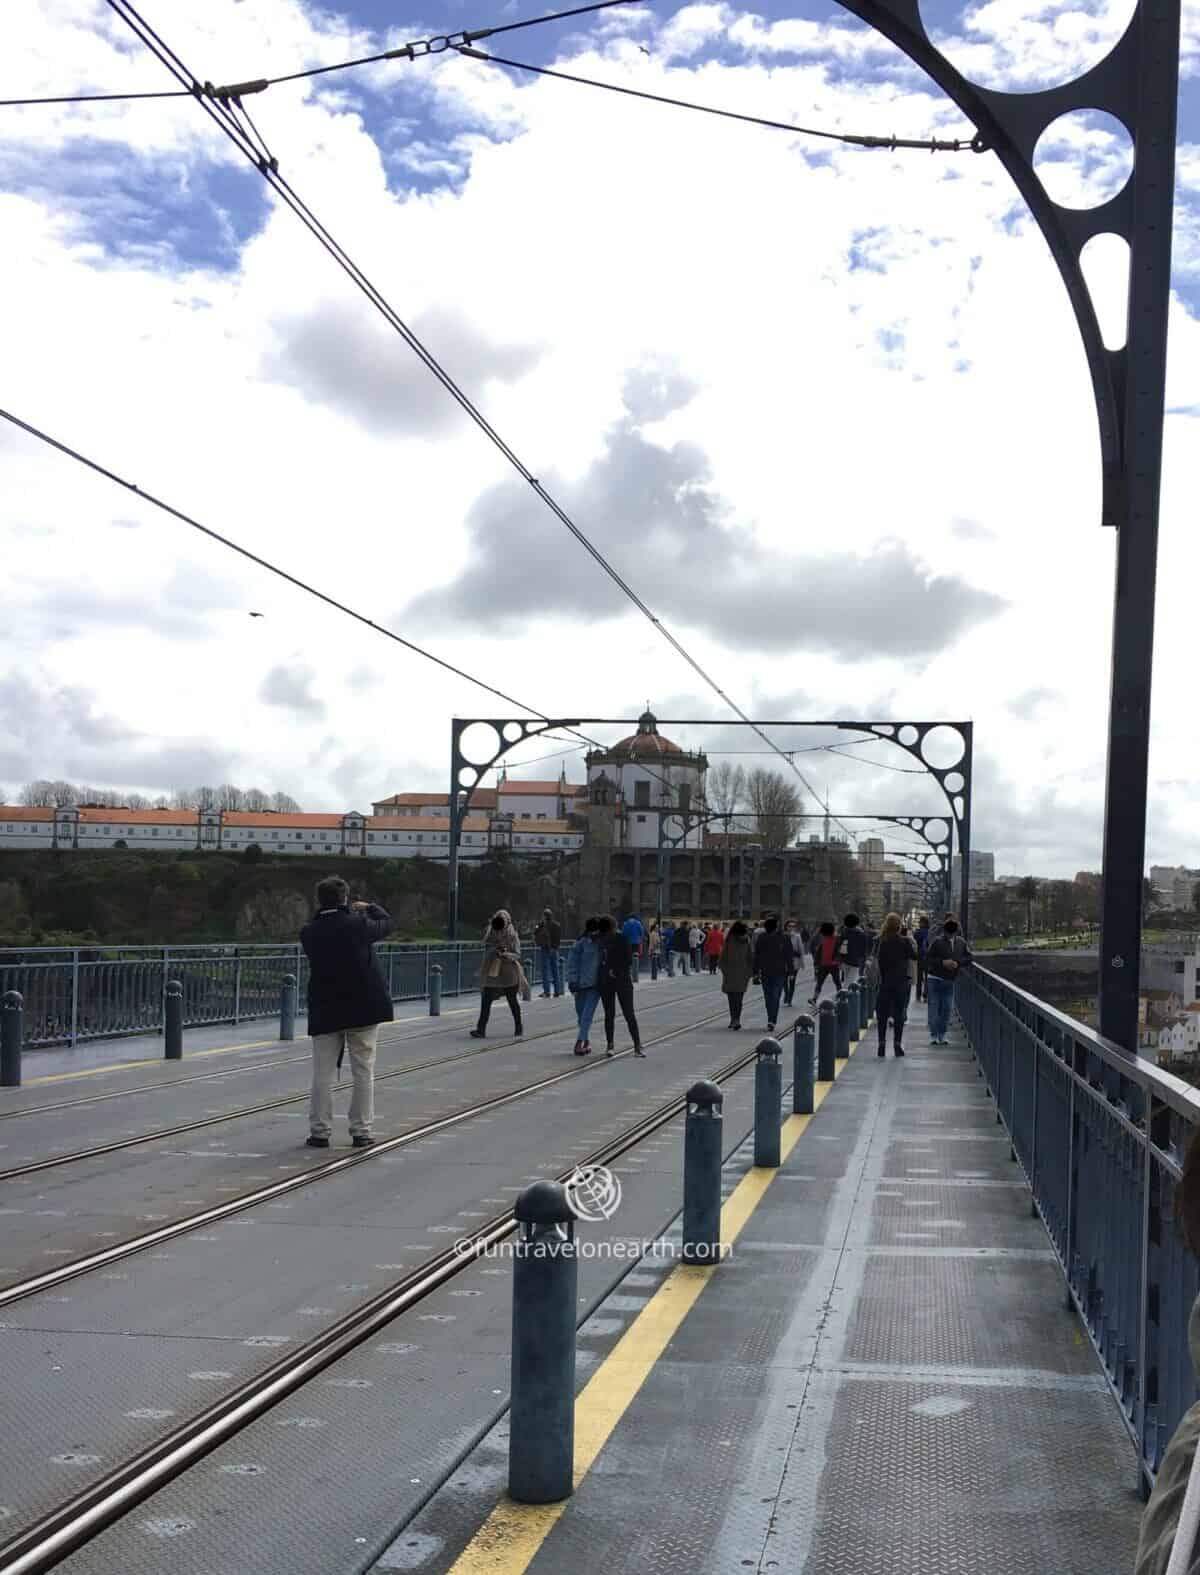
<point>643,49</point>
<point>257,615</point>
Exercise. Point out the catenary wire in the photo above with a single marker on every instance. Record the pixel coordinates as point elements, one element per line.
<point>263,563</point>
<point>973,144</point>
<point>414,50</point>
<point>219,113</point>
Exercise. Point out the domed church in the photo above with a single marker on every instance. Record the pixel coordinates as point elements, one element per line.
<point>653,777</point>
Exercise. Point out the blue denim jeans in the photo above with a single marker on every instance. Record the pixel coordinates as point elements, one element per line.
<point>551,966</point>
<point>586,1002</point>
<point>941,999</point>
<point>772,993</point>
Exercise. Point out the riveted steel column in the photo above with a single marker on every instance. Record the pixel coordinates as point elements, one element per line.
<point>541,1444</point>
<point>768,1091</point>
<point>702,1141</point>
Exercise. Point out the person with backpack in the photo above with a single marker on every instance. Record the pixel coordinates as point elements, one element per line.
<point>774,964</point>
<point>681,945</point>
<point>616,982</point>
<point>948,954</point>
<point>853,947</point>
<point>825,959</point>
<point>634,932</point>
<point>583,981</point>
<point>737,968</point>
<point>547,937</point>
<point>348,998</point>
<point>895,956</point>
<point>922,937</point>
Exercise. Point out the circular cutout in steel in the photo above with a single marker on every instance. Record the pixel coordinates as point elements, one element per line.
<point>942,747</point>
<point>1083,158</point>
<point>955,782</point>
<point>467,777</point>
<point>907,736</point>
<point>937,830</point>
<point>1026,45</point>
<point>513,731</point>
<point>479,743</point>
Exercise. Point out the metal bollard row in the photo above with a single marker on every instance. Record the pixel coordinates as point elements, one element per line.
<point>703,1134</point>
<point>12,1030</point>
<point>435,990</point>
<point>768,1092</point>
<point>287,1007</point>
<point>826,1041</point>
<point>842,1010</point>
<point>803,1070</point>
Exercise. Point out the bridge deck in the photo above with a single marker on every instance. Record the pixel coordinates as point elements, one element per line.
<point>881,1378</point>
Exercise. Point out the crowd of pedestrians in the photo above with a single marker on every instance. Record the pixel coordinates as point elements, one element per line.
<point>348,996</point>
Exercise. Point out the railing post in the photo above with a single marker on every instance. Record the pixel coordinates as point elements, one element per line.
<point>768,1091</point>
<point>435,990</point>
<point>173,1021</point>
<point>702,1142</point>
<point>541,1440</point>
<point>74,997</point>
<point>237,989</point>
<point>12,1028</point>
<point>287,1007</point>
<point>842,1008</point>
<point>802,1066</point>
<point>826,1041</point>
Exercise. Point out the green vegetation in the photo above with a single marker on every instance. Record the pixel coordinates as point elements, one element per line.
<point>51,898</point>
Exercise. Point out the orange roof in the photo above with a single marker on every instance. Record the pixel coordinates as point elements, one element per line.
<point>260,818</point>
<point>485,798</point>
<point>25,812</point>
<point>512,788</point>
<point>397,823</point>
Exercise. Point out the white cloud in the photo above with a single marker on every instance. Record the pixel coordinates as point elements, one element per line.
<point>875,348</point>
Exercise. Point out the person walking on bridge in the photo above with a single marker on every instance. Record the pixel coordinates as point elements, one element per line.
<point>896,955</point>
<point>737,969</point>
<point>547,937</point>
<point>616,983</point>
<point>922,938</point>
<point>853,947</point>
<point>774,964</point>
<point>583,981</point>
<point>634,932</point>
<point>825,960</point>
<point>348,998</point>
<point>501,973</point>
<point>681,945</point>
<point>948,954</point>
<point>714,944</point>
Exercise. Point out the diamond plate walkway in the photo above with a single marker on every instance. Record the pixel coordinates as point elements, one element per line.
<point>882,1379</point>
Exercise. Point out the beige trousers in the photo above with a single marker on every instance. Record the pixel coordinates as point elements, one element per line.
<point>360,1047</point>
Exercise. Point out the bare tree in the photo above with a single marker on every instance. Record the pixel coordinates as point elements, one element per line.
<point>255,800</point>
<point>206,798</point>
<point>725,788</point>
<point>136,801</point>
<point>163,802</point>
<point>185,798</point>
<point>230,797</point>
<point>775,803</point>
<point>284,804</point>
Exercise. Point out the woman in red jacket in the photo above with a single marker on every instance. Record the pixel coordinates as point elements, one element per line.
<point>713,943</point>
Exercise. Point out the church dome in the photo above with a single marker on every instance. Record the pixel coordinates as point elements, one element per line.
<point>647,743</point>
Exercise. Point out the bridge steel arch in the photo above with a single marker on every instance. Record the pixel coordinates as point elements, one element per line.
<point>1138,84</point>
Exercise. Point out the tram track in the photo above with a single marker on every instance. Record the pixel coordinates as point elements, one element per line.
<point>106,1256</point>
<point>77,1156</point>
<point>44,1543</point>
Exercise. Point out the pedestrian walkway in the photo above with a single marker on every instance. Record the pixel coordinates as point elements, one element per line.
<point>882,1377</point>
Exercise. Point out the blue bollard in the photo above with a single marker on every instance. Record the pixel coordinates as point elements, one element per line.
<point>803,1047</point>
<point>842,1013</point>
<point>826,1041</point>
<point>12,1031</point>
<point>173,1021</point>
<point>287,1007</point>
<point>768,1091</point>
<point>435,990</point>
<point>703,1132</point>
<point>541,1441</point>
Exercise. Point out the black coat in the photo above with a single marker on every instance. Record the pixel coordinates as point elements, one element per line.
<point>774,955</point>
<point>346,987</point>
<point>616,961</point>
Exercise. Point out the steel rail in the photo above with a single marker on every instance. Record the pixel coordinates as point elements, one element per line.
<point>101,1149</point>
<point>247,1200</point>
<point>41,1546</point>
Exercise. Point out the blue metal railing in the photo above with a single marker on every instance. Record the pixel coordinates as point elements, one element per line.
<point>99,992</point>
<point>1101,1136</point>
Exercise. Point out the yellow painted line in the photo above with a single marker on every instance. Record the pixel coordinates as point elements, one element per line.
<point>196,1055</point>
<point>509,1539</point>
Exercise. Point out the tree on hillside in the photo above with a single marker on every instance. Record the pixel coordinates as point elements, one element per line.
<point>1027,891</point>
<point>775,802</point>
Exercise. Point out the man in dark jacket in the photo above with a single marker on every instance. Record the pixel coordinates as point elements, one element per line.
<point>774,962</point>
<point>348,998</point>
<point>616,983</point>
<point>852,950</point>
<point>547,937</point>
<point>948,954</point>
<point>922,937</point>
<point>681,945</point>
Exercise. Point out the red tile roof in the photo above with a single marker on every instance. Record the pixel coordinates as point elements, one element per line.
<point>24,812</point>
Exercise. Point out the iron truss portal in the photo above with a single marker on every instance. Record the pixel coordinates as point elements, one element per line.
<point>942,749</point>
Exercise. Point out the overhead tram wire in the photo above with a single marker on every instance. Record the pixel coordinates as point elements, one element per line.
<point>263,563</point>
<point>973,144</point>
<point>223,114</point>
<point>414,50</point>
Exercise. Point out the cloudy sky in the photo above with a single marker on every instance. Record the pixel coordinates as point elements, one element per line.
<point>824,408</point>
